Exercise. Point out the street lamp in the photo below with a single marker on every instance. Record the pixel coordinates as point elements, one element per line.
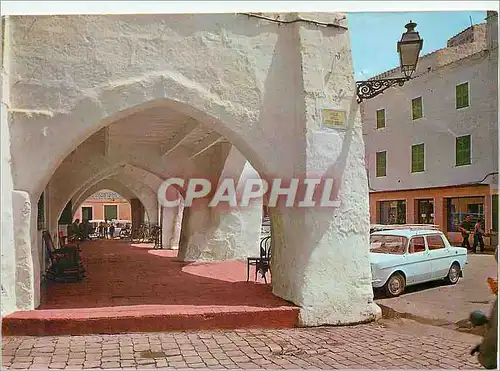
<point>409,48</point>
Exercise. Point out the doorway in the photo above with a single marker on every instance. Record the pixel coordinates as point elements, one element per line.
<point>87,213</point>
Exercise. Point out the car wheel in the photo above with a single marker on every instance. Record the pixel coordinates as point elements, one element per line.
<point>395,285</point>
<point>453,274</point>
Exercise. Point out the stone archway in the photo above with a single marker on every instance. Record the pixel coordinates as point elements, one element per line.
<point>128,190</point>
<point>266,101</point>
<point>110,184</point>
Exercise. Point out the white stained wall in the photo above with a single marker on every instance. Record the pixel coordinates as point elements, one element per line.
<point>437,129</point>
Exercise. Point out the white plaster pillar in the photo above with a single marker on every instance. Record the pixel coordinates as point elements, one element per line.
<point>8,252</point>
<point>176,237</point>
<point>237,230</point>
<point>27,269</point>
<point>171,226</point>
<point>320,255</point>
<point>223,232</point>
<point>195,232</point>
<point>168,224</point>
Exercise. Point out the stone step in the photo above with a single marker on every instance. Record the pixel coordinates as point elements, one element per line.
<point>146,318</point>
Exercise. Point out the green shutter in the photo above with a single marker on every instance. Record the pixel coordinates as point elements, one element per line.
<point>380,118</point>
<point>462,95</point>
<point>462,150</point>
<point>417,158</point>
<point>416,108</point>
<point>110,212</point>
<point>381,164</point>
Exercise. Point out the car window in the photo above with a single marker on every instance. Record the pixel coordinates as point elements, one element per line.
<point>417,244</point>
<point>435,242</point>
<point>387,244</point>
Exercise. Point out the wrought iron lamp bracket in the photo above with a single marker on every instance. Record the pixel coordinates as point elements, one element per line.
<point>371,88</point>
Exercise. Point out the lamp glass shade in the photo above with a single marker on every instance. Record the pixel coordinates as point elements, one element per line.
<point>408,54</point>
<point>409,49</point>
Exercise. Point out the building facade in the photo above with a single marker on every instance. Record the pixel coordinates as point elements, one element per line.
<point>104,205</point>
<point>432,145</point>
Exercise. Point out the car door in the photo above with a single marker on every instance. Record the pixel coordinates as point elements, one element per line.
<point>418,267</point>
<point>439,254</point>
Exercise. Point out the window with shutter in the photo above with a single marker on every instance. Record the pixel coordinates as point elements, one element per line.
<point>381,164</point>
<point>416,108</point>
<point>380,118</point>
<point>463,150</point>
<point>417,158</point>
<point>462,95</point>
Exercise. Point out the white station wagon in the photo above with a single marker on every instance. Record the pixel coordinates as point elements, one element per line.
<point>405,257</point>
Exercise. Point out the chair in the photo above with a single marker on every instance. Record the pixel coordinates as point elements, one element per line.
<point>65,263</point>
<point>261,263</point>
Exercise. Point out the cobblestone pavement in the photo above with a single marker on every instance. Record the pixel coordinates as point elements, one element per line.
<point>369,346</point>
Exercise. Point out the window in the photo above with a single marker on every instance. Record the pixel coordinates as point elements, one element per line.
<point>425,211</point>
<point>462,150</point>
<point>110,212</point>
<point>381,164</point>
<point>459,207</point>
<point>380,118</point>
<point>386,244</point>
<point>462,95</point>
<point>41,213</point>
<point>417,244</point>
<point>87,213</point>
<point>435,242</point>
<point>494,213</point>
<point>417,158</point>
<point>416,108</point>
<point>392,212</point>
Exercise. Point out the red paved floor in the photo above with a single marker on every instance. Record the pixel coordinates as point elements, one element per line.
<point>132,288</point>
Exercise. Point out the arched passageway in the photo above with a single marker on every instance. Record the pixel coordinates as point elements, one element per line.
<point>218,98</point>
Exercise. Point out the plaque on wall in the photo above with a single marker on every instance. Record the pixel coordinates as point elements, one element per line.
<point>333,118</point>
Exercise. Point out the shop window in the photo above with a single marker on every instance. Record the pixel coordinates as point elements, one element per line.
<point>392,212</point>
<point>459,207</point>
<point>425,211</point>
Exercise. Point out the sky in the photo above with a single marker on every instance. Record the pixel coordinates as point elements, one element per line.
<point>374,36</point>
